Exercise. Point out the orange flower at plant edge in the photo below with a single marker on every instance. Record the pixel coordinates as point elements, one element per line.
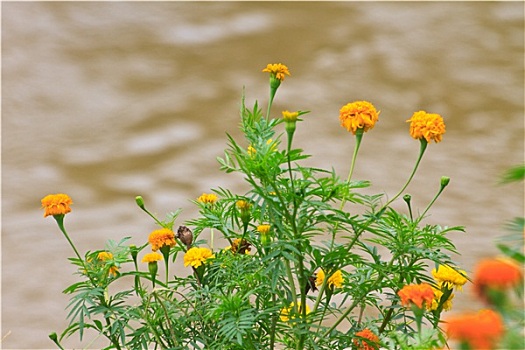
<point>160,238</point>
<point>416,294</point>
<point>480,330</point>
<point>197,256</point>
<point>56,204</point>
<point>373,340</point>
<point>425,125</point>
<point>278,70</point>
<point>358,115</point>
<point>498,274</point>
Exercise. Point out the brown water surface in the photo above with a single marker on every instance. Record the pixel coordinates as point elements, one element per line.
<point>108,100</point>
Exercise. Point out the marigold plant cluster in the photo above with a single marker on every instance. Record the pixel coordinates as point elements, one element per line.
<point>290,264</point>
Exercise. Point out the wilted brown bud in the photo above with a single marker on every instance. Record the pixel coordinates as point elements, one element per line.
<point>185,235</point>
<point>310,284</point>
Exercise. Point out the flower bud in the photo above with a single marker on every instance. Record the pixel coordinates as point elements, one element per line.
<point>140,202</point>
<point>407,198</point>
<point>444,181</point>
<point>134,252</point>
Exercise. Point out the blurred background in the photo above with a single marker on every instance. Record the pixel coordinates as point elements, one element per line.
<point>108,100</point>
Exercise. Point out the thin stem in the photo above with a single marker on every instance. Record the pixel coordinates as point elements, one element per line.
<point>429,205</point>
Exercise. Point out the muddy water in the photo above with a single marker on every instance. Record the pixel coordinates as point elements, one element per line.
<point>108,100</point>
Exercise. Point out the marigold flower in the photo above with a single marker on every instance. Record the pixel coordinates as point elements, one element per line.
<point>358,115</point>
<point>152,257</point>
<point>56,204</point>
<point>373,343</point>
<point>197,256</point>
<point>263,229</point>
<point>208,198</point>
<point>416,294</point>
<point>425,125</point>
<point>105,256</point>
<point>480,330</point>
<point>447,305</point>
<point>449,277</point>
<point>243,205</point>
<point>286,311</point>
<point>277,70</point>
<point>160,238</point>
<point>290,116</point>
<point>334,281</point>
<point>237,246</point>
<point>498,274</point>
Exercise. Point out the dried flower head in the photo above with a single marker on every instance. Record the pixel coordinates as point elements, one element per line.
<point>358,115</point>
<point>277,70</point>
<point>208,198</point>
<point>416,294</point>
<point>185,235</point>
<point>152,257</point>
<point>56,204</point>
<point>371,342</point>
<point>427,125</point>
<point>160,238</point>
<point>197,256</point>
<point>480,330</point>
<point>240,247</point>
<point>449,277</point>
<point>287,312</point>
<point>334,281</point>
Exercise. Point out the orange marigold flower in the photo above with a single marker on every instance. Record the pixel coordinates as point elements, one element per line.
<point>287,311</point>
<point>371,344</point>
<point>480,330</point>
<point>160,238</point>
<point>425,125</point>
<point>416,294</point>
<point>152,257</point>
<point>497,274</point>
<point>197,256</point>
<point>358,115</point>
<point>208,198</point>
<point>56,204</point>
<point>278,70</point>
<point>449,277</point>
<point>334,281</point>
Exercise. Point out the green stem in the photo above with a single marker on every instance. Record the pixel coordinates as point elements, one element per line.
<point>429,205</point>
<point>270,101</point>
<point>422,148</point>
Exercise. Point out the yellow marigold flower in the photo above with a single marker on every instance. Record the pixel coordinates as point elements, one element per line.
<point>373,340</point>
<point>105,256</point>
<point>290,116</point>
<point>358,115</point>
<point>447,305</point>
<point>287,311</point>
<point>416,294</point>
<point>449,277</point>
<point>251,151</point>
<point>334,281</point>
<point>208,198</point>
<point>56,204</point>
<point>497,274</point>
<point>425,125</point>
<point>197,256</point>
<point>160,238</point>
<point>480,330</point>
<point>243,205</point>
<point>152,257</point>
<point>278,70</point>
<point>263,229</point>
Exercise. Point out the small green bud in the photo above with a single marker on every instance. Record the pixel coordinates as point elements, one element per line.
<point>134,251</point>
<point>444,181</point>
<point>407,198</point>
<point>140,202</point>
<point>53,336</point>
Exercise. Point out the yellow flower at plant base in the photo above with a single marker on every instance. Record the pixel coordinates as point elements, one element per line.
<point>449,277</point>
<point>152,257</point>
<point>160,238</point>
<point>358,115</point>
<point>416,294</point>
<point>286,312</point>
<point>277,70</point>
<point>208,198</point>
<point>447,305</point>
<point>373,340</point>
<point>334,281</point>
<point>197,256</point>
<point>56,204</point>
<point>425,125</point>
<point>105,256</point>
